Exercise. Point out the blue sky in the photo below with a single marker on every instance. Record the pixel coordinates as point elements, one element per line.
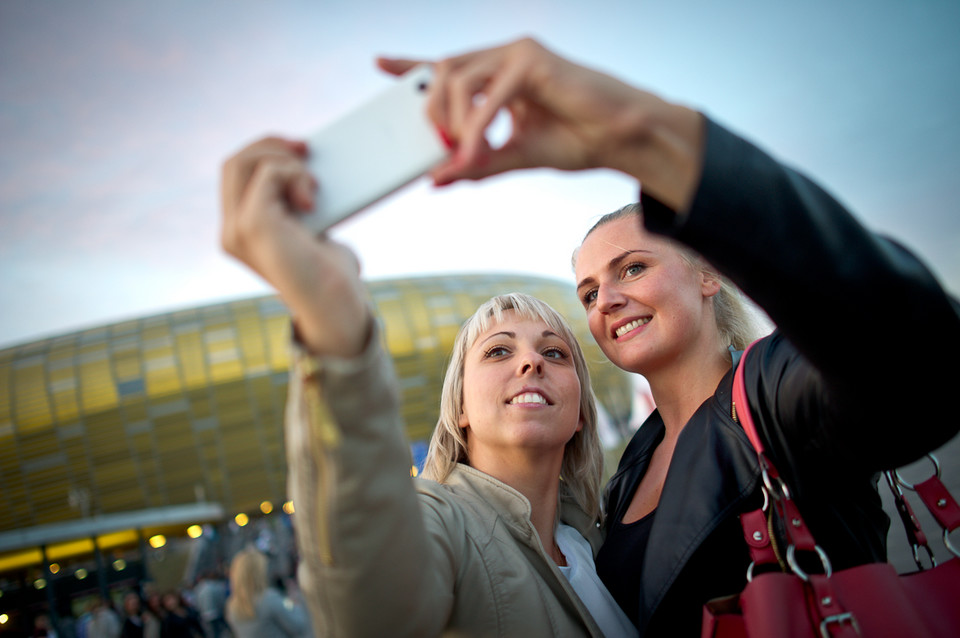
<point>115,117</point>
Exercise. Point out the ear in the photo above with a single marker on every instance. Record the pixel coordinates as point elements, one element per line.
<point>709,283</point>
<point>464,420</point>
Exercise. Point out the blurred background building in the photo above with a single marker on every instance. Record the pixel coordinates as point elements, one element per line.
<point>151,450</point>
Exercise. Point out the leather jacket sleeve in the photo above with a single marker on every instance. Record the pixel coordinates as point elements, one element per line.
<point>855,373</point>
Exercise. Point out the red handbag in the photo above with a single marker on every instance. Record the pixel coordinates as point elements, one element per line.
<point>870,600</point>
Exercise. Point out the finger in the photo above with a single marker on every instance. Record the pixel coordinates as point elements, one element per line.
<point>437,102</point>
<point>262,212</point>
<point>489,162</point>
<point>237,169</point>
<point>464,87</point>
<point>500,90</point>
<point>301,192</point>
<point>396,66</point>
<point>457,81</point>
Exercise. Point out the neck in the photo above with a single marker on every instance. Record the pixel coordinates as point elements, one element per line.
<point>680,389</point>
<point>538,479</point>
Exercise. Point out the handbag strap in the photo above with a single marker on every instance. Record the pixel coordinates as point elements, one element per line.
<point>937,499</point>
<point>797,533</point>
<point>932,492</point>
<point>833,618</point>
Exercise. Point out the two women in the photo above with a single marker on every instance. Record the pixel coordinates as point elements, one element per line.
<point>850,383</point>
<point>853,311</point>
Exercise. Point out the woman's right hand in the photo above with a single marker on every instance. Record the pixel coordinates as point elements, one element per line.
<point>264,187</point>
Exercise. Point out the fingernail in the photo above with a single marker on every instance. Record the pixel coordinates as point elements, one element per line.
<point>445,138</point>
<point>299,147</point>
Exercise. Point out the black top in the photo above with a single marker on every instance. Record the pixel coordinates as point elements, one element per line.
<point>625,545</point>
<point>824,389</point>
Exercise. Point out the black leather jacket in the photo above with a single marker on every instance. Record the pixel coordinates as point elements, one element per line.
<point>844,388</point>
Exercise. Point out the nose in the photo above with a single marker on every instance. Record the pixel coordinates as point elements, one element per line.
<point>609,298</point>
<point>531,362</point>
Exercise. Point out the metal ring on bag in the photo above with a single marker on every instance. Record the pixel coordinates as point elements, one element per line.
<point>909,486</point>
<point>768,484</point>
<point>792,562</point>
<point>946,541</point>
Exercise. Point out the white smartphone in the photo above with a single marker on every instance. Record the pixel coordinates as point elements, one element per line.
<point>374,150</point>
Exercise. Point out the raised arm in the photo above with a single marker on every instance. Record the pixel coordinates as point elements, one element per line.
<point>373,561</point>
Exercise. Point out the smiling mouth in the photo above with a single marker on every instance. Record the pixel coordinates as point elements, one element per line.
<point>529,397</point>
<point>633,325</point>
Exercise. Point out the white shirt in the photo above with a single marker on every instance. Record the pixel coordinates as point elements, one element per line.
<point>581,573</point>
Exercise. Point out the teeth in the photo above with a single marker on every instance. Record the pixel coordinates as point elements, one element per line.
<point>622,330</point>
<point>529,397</point>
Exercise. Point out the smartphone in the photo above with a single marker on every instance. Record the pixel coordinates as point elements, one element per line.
<point>374,150</point>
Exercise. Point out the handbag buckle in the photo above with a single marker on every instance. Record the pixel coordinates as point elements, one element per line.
<point>839,619</point>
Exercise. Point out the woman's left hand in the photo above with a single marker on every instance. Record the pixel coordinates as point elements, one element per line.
<point>265,186</point>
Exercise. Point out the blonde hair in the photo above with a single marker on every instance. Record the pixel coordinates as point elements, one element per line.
<point>248,581</point>
<point>581,472</point>
<point>734,320</point>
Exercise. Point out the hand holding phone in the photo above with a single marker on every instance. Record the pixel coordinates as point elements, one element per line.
<point>374,150</point>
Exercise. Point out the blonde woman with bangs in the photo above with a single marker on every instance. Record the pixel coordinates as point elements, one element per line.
<point>583,459</point>
<point>499,539</point>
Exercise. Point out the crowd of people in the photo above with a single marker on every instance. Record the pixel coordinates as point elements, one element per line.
<point>261,602</point>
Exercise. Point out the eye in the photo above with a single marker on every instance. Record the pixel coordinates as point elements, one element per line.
<point>495,351</point>
<point>632,270</point>
<point>588,297</point>
<point>555,352</point>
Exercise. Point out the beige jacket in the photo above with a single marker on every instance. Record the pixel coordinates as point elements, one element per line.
<point>386,555</point>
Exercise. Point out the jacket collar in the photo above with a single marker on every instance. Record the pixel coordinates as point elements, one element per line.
<point>514,508</point>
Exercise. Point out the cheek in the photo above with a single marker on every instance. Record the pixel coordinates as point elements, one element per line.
<point>598,328</point>
<point>596,324</point>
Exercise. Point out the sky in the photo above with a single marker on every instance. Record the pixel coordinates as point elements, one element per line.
<point>115,118</point>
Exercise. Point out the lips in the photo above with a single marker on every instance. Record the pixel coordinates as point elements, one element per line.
<point>626,327</point>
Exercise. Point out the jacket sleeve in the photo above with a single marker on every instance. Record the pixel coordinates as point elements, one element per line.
<point>368,566</point>
<point>865,326</point>
<point>290,618</point>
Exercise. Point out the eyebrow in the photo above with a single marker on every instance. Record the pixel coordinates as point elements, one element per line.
<point>610,265</point>
<point>513,335</point>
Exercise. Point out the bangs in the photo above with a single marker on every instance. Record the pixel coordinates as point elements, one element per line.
<point>525,307</point>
